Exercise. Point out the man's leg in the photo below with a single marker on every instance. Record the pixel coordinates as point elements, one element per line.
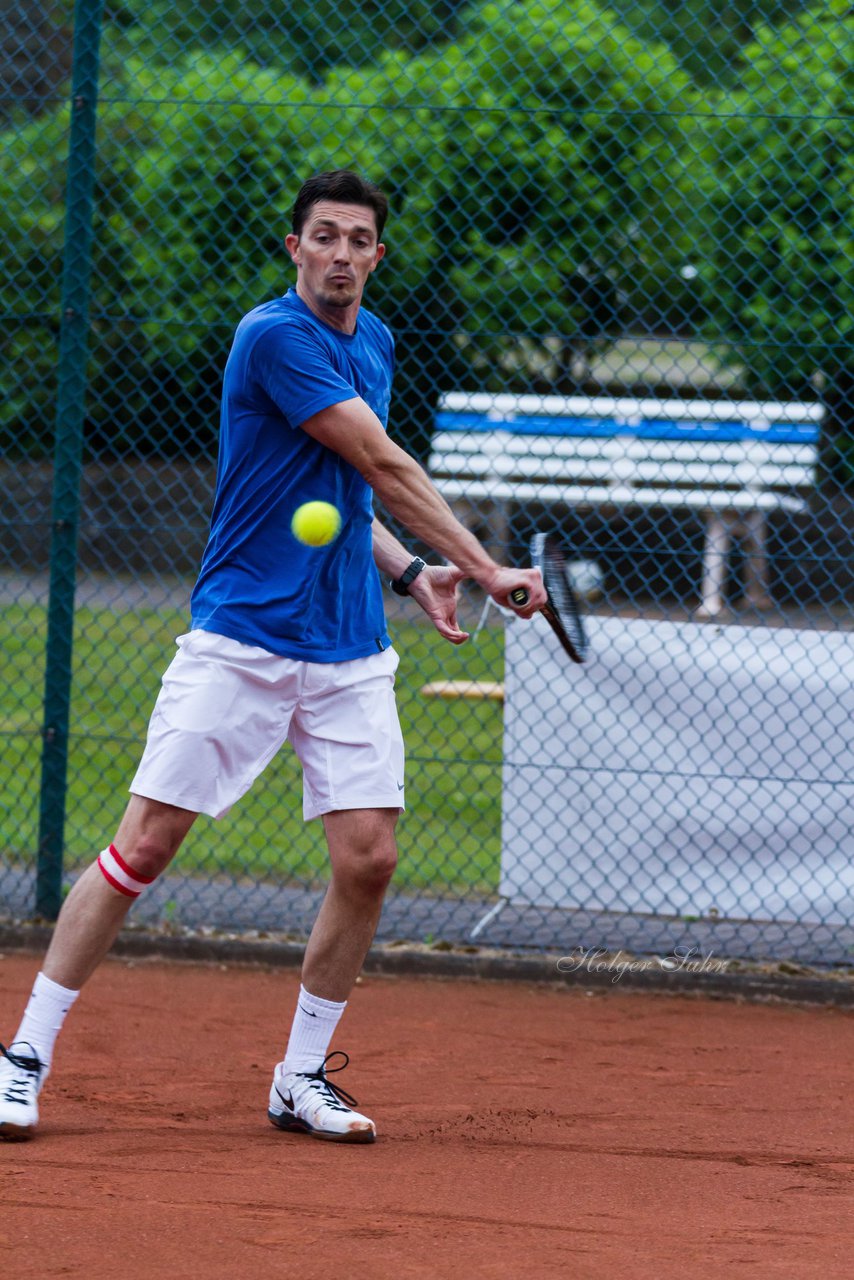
<point>363,854</point>
<point>148,837</point>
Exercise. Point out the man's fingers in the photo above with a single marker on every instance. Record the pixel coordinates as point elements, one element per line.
<point>452,633</point>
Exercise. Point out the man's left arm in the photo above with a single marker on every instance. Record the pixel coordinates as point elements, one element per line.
<point>435,587</point>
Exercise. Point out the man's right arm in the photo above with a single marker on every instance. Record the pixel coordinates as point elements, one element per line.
<point>353,430</point>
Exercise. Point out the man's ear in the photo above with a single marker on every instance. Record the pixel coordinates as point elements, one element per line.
<point>380,256</point>
<point>292,246</point>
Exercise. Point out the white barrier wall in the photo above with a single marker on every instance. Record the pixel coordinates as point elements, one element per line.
<point>686,769</point>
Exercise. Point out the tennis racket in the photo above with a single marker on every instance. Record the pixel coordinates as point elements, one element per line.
<point>561,609</point>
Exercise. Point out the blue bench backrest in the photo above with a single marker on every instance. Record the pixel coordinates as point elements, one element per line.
<point>780,432</point>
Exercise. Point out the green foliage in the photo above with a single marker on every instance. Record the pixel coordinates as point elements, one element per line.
<point>32,182</point>
<point>779,266</point>
<point>35,54</point>
<point>784,240</point>
<point>520,153</point>
<point>707,36</point>
<point>304,38</point>
<point>558,128</point>
<point>168,230</point>
<point>551,177</point>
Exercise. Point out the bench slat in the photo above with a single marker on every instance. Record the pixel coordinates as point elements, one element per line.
<point>744,475</point>
<point>641,450</point>
<point>506,407</point>
<point>656,474</point>
<point>619,495</point>
<point>449,444</point>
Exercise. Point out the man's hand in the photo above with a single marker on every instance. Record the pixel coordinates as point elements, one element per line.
<point>503,581</point>
<point>435,589</point>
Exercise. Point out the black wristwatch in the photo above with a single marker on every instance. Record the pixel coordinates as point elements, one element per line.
<point>401,585</point>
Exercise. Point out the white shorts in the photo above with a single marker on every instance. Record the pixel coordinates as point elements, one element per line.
<point>226,708</point>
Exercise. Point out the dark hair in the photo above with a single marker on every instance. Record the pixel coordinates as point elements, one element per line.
<point>341,185</point>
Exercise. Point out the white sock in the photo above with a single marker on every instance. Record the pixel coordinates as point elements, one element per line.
<point>44,1016</point>
<point>314,1022</point>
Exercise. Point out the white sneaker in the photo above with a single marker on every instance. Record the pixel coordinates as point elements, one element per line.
<point>307,1102</point>
<point>21,1078</point>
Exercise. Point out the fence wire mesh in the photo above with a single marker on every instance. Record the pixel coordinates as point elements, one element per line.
<point>620,281</point>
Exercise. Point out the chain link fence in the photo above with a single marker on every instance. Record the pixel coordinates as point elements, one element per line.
<point>619,274</point>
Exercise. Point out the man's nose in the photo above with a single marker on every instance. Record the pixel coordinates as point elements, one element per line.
<point>342,250</point>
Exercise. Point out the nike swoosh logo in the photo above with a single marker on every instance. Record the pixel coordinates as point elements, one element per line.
<point>308,1013</point>
<point>287,1099</point>
<point>401,785</point>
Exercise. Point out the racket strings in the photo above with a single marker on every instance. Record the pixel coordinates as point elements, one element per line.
<point>562,597</point>
<point>562,610</point>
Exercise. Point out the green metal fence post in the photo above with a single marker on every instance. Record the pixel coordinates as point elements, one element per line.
<point>71,395</point>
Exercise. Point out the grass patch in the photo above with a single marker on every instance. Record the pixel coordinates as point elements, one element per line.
<point>449,837</point>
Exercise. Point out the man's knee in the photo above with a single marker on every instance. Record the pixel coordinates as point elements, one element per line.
<point>377,869</point>
<point>131,865</point>
<point>365,857</point>
<point>131,875</point>
<point>369,870</point>
<point>149,836</point>
<point>150,855</point>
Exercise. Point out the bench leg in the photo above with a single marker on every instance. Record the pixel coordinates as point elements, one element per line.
<point>499,527</point>
<point>756,590</point>
<point>714,566</point>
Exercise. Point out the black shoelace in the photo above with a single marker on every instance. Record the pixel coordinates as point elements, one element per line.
<point>339,1095</point>
<point>16,1090</point>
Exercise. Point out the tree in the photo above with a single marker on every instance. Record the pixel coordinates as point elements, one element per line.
<point>304,38</point>
<point>780,272</point>
<point>707,36</point>
<point>537,147</point>
<point>35,54</point>
<point>32,225</point>
<point>551,176</point>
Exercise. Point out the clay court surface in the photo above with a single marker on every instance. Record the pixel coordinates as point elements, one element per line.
<point>525,1131</point>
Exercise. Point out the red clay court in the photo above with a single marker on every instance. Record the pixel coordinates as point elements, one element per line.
<point>524,1130</point>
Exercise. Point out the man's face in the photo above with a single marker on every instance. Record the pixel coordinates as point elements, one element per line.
<point>335,253</point>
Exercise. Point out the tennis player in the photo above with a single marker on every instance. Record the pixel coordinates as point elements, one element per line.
<point>286,643</point>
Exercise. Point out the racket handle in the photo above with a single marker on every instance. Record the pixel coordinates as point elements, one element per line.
<point>519,596</point>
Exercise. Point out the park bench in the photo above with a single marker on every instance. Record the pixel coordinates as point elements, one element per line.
<point>731,461</point>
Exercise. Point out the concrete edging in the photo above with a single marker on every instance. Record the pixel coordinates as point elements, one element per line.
<point>620,972</point>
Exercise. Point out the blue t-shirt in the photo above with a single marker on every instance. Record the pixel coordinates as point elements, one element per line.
<point>257,583</point>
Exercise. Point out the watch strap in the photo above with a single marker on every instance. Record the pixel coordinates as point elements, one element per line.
<point>401,585</point>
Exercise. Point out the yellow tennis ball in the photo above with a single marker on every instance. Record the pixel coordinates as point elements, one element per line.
<point>316,523</point>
